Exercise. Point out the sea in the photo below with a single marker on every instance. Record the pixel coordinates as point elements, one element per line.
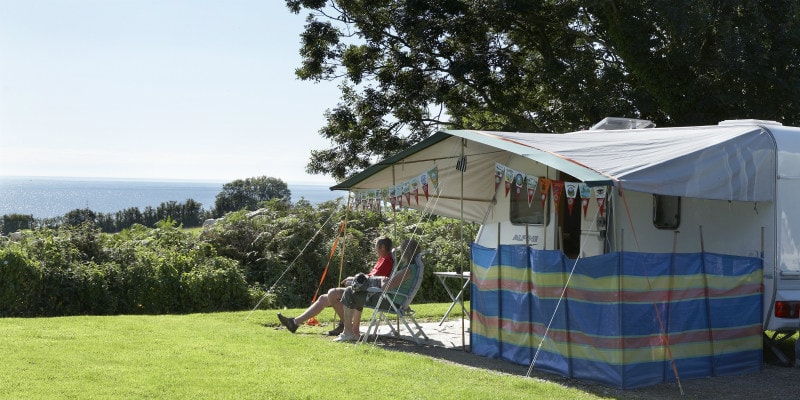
<point>53,197</point>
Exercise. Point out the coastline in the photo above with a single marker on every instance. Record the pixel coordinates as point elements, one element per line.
<point>50,197</point>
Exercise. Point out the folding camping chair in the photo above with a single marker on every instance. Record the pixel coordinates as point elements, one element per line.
<point>397,303</point>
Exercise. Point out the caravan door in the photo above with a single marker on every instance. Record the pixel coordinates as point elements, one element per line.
<point>594,219</point>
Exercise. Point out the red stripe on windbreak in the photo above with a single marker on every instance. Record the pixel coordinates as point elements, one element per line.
<point>504,284</point>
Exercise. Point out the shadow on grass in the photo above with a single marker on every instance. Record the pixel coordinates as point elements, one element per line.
<point>774,377</point>
<point>464,357</point>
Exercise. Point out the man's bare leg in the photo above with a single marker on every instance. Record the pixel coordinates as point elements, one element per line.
<point>313,310</point>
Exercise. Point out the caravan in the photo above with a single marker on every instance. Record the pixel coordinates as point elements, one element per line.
<point>682,239</point>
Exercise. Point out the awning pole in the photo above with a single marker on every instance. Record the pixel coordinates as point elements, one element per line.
<point>461,207</point>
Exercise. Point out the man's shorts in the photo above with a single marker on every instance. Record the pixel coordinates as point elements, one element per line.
<point>357,299</point>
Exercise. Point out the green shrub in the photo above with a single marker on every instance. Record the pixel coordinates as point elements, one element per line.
<point>285,254</point>
<point>20,283</point>
<point>214,286</point>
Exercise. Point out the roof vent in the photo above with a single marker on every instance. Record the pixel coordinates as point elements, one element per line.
<point>615,123</point>
<point>731,122</point>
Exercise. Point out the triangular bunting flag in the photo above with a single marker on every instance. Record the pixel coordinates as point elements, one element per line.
<point>544,187</point>
<point>423,181</point>
<point>509,179</point>
<point>586,194</point>
<point>519,180</point>
<point>399,190</point>
<point>558,188</point>
<point>433,178</point>
<point>532,182</point>
<point>571,189</point>
<point>499,173</point>
<point>600,195</point>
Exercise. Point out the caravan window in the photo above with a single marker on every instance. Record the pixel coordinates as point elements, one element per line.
<point>666,211</point>
<point>522,212</point>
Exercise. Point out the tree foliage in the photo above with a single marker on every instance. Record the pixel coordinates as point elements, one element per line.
<point>408,68</point>
<point>76,269</point>
<point>16,222</point>
<point>703,62</point>
<point>285,254</point>
<point>247,194</point>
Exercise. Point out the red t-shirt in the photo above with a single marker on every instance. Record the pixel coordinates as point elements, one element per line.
<point>383,267</point>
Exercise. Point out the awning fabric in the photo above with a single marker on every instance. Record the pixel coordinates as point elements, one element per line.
<point>725,162</point>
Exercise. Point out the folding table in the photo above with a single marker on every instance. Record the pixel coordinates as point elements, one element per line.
<point>458,298</point>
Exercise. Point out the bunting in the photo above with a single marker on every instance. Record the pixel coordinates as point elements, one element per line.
<point>586,194</point>
<point>376,198</point>
<point>544,187</point>
<point>433,177</point>
<point>423,181</point>
<point>509,179</point>
<point>399,190</point>
<point>571,189</point>
<point>532,183</point>
<point>519,180</point>
<point>499,173</point>
<point>600,195</point>
<point>429,183</point>
<point>558,188</point>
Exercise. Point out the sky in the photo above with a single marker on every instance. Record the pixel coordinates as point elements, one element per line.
<point>157,89</point>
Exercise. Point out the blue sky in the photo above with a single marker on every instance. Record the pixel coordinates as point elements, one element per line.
<point>157,89</point>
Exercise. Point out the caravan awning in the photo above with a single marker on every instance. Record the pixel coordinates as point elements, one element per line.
<point>725,162</point>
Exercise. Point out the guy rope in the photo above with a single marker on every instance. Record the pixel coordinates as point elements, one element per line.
<point>271,288</point>
<point>342,229</point>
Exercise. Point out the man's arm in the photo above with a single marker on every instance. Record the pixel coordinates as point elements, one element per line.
<point>397,279</point>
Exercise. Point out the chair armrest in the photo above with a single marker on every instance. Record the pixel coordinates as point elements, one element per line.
<point>390,293</point>
<point>394,294</point>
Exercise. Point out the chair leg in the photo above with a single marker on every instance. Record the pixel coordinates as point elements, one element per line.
<point>420,332</point>
<point>415,334</point>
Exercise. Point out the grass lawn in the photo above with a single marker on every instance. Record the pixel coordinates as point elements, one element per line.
<point>239,355</point>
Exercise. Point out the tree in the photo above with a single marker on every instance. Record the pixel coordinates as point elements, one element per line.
<point>410,68</point>
<point>248,193</point>
<point>707,61</point>
<point>79,216</point>
<point>16,222</point>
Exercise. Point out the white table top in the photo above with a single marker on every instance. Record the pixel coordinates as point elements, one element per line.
<point>465,274</point>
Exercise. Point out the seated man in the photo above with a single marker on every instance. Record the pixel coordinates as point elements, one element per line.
<point>354,298</point>
<point>382,268</point>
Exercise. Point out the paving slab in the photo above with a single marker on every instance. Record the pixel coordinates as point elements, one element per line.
<point>452,333</point>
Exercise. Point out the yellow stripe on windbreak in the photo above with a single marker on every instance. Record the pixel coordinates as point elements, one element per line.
<point>658,353</point>
<point>611,283</point>
<point>494,273</point>
<point>624,356</point>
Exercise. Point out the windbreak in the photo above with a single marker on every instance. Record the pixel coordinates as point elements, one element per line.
<point>612,323</point>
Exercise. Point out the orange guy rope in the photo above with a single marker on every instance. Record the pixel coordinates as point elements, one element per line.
<point>313,320</point>
<point>664,336</point>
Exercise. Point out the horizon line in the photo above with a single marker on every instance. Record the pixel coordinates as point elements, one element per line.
<point>143,179</point>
